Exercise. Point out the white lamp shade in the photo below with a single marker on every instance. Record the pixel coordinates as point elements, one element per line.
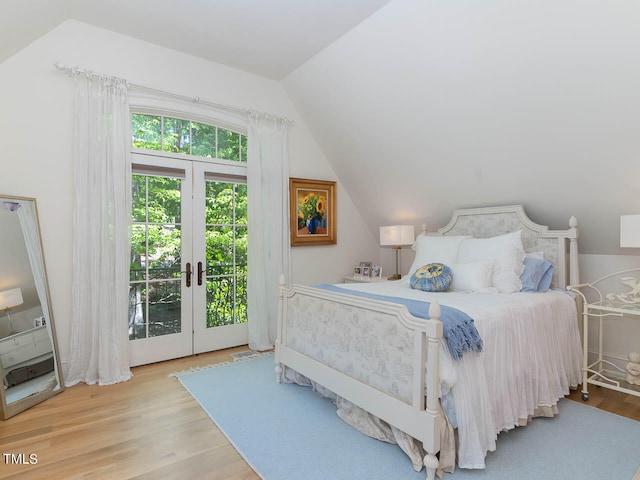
<point>630,231</point>
<point>10,298</point>
<point>397,235</point>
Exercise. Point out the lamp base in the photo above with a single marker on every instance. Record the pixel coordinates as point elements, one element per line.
<point>396,276</point>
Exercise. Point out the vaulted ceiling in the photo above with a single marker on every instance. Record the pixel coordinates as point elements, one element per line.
<point>422,106</point>
<point>270,38</point>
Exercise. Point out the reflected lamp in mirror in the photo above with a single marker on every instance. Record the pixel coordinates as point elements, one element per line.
<point>630,231</point>
<point>397,236</point>
<point>9,299</point>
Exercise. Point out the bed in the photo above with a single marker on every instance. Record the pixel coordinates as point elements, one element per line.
<point>397,374</point>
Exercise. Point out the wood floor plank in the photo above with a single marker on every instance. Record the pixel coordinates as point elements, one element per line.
<point>150,428</point>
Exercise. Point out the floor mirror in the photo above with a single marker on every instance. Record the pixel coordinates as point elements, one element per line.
<point>29,358</point>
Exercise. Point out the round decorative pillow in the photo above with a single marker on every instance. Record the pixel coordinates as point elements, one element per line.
<point>434,277</point>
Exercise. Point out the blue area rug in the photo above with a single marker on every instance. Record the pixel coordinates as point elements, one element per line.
<point>289,432</point>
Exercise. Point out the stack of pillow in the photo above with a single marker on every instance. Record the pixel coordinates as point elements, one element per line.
<point>489,265</point>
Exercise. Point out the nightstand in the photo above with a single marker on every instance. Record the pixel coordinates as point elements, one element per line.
<point>353,279</point>
<point>603,307</point>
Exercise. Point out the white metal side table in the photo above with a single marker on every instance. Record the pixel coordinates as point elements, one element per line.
<point>602,372</point>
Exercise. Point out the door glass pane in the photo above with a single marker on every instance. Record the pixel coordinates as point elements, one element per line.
<point>164,308</point>
<point>219,198</point>
<point>156,245</point>
<point>220,250</point>
<point>240,204</point>
<point>241,239</point>
<point>220,301</point>
<point>163,202</point>
<point>226,238</point>
<point>241,298</point>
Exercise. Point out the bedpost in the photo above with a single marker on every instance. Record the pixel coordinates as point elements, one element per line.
<point>433,386</point>
<point>280,320</point>
<point>574,271</point>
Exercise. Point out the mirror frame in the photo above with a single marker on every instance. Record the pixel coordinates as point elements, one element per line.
<point>13,408</point>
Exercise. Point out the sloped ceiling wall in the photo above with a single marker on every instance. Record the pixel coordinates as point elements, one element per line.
<point>429,106</point>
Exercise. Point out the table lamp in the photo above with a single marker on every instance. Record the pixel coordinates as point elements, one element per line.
<point>630,231</point>
<point>396,236</point>
<point>8,299</point>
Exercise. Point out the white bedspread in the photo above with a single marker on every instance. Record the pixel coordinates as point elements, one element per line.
<point>532,357</point>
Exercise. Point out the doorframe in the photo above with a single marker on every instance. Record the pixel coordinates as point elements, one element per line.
<point>201,339</point>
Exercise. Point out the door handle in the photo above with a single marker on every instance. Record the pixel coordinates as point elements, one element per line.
<point>200,273</point>
<point>188,272</point>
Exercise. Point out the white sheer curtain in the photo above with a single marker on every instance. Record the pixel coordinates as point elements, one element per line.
<point>268,217</point>
<point>99,351</point>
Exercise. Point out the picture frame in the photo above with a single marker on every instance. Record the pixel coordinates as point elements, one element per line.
<point>376,271</point>
<point>39,321</point>
<point>367,266</point>
<point>312,215</point>
<point>357,272</point>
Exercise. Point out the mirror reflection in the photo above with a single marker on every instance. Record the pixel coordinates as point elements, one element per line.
<point>28,355</point>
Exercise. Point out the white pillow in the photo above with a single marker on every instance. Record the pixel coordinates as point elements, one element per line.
<point>472,277</point>
<point>435,249</point>
<point>505,250</point>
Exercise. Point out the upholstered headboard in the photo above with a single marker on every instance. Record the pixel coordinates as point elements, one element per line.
<point>560,247</point>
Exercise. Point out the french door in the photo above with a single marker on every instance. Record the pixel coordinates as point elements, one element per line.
<point>188,276</point>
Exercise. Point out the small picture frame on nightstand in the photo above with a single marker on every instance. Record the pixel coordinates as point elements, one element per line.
<point>357,272</point>
<point>366,268</point>
<point>376,272</point>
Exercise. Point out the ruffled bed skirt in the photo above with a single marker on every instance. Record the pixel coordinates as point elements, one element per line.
<point>374,427</point>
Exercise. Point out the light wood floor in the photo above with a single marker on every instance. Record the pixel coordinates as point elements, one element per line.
<point>146,428</point>
<point>150,428</point>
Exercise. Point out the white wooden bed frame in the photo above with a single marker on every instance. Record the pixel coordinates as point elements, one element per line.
<point>418,416</point>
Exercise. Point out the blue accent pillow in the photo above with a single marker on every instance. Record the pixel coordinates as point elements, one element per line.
<point>434,277</point>
<point>537,275</point>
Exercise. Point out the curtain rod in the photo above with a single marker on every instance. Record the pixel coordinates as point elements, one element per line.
<point>76,70</point>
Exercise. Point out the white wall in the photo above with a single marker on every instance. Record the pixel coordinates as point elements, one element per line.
<point>36,125</point>
<point>428,106</point>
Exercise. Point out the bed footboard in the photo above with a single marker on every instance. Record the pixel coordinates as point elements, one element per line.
<point>372,353</point>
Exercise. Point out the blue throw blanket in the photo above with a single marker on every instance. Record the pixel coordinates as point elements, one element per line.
<point>458,329</point>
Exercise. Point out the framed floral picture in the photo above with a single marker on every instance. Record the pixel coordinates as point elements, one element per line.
<point>313,212</point>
